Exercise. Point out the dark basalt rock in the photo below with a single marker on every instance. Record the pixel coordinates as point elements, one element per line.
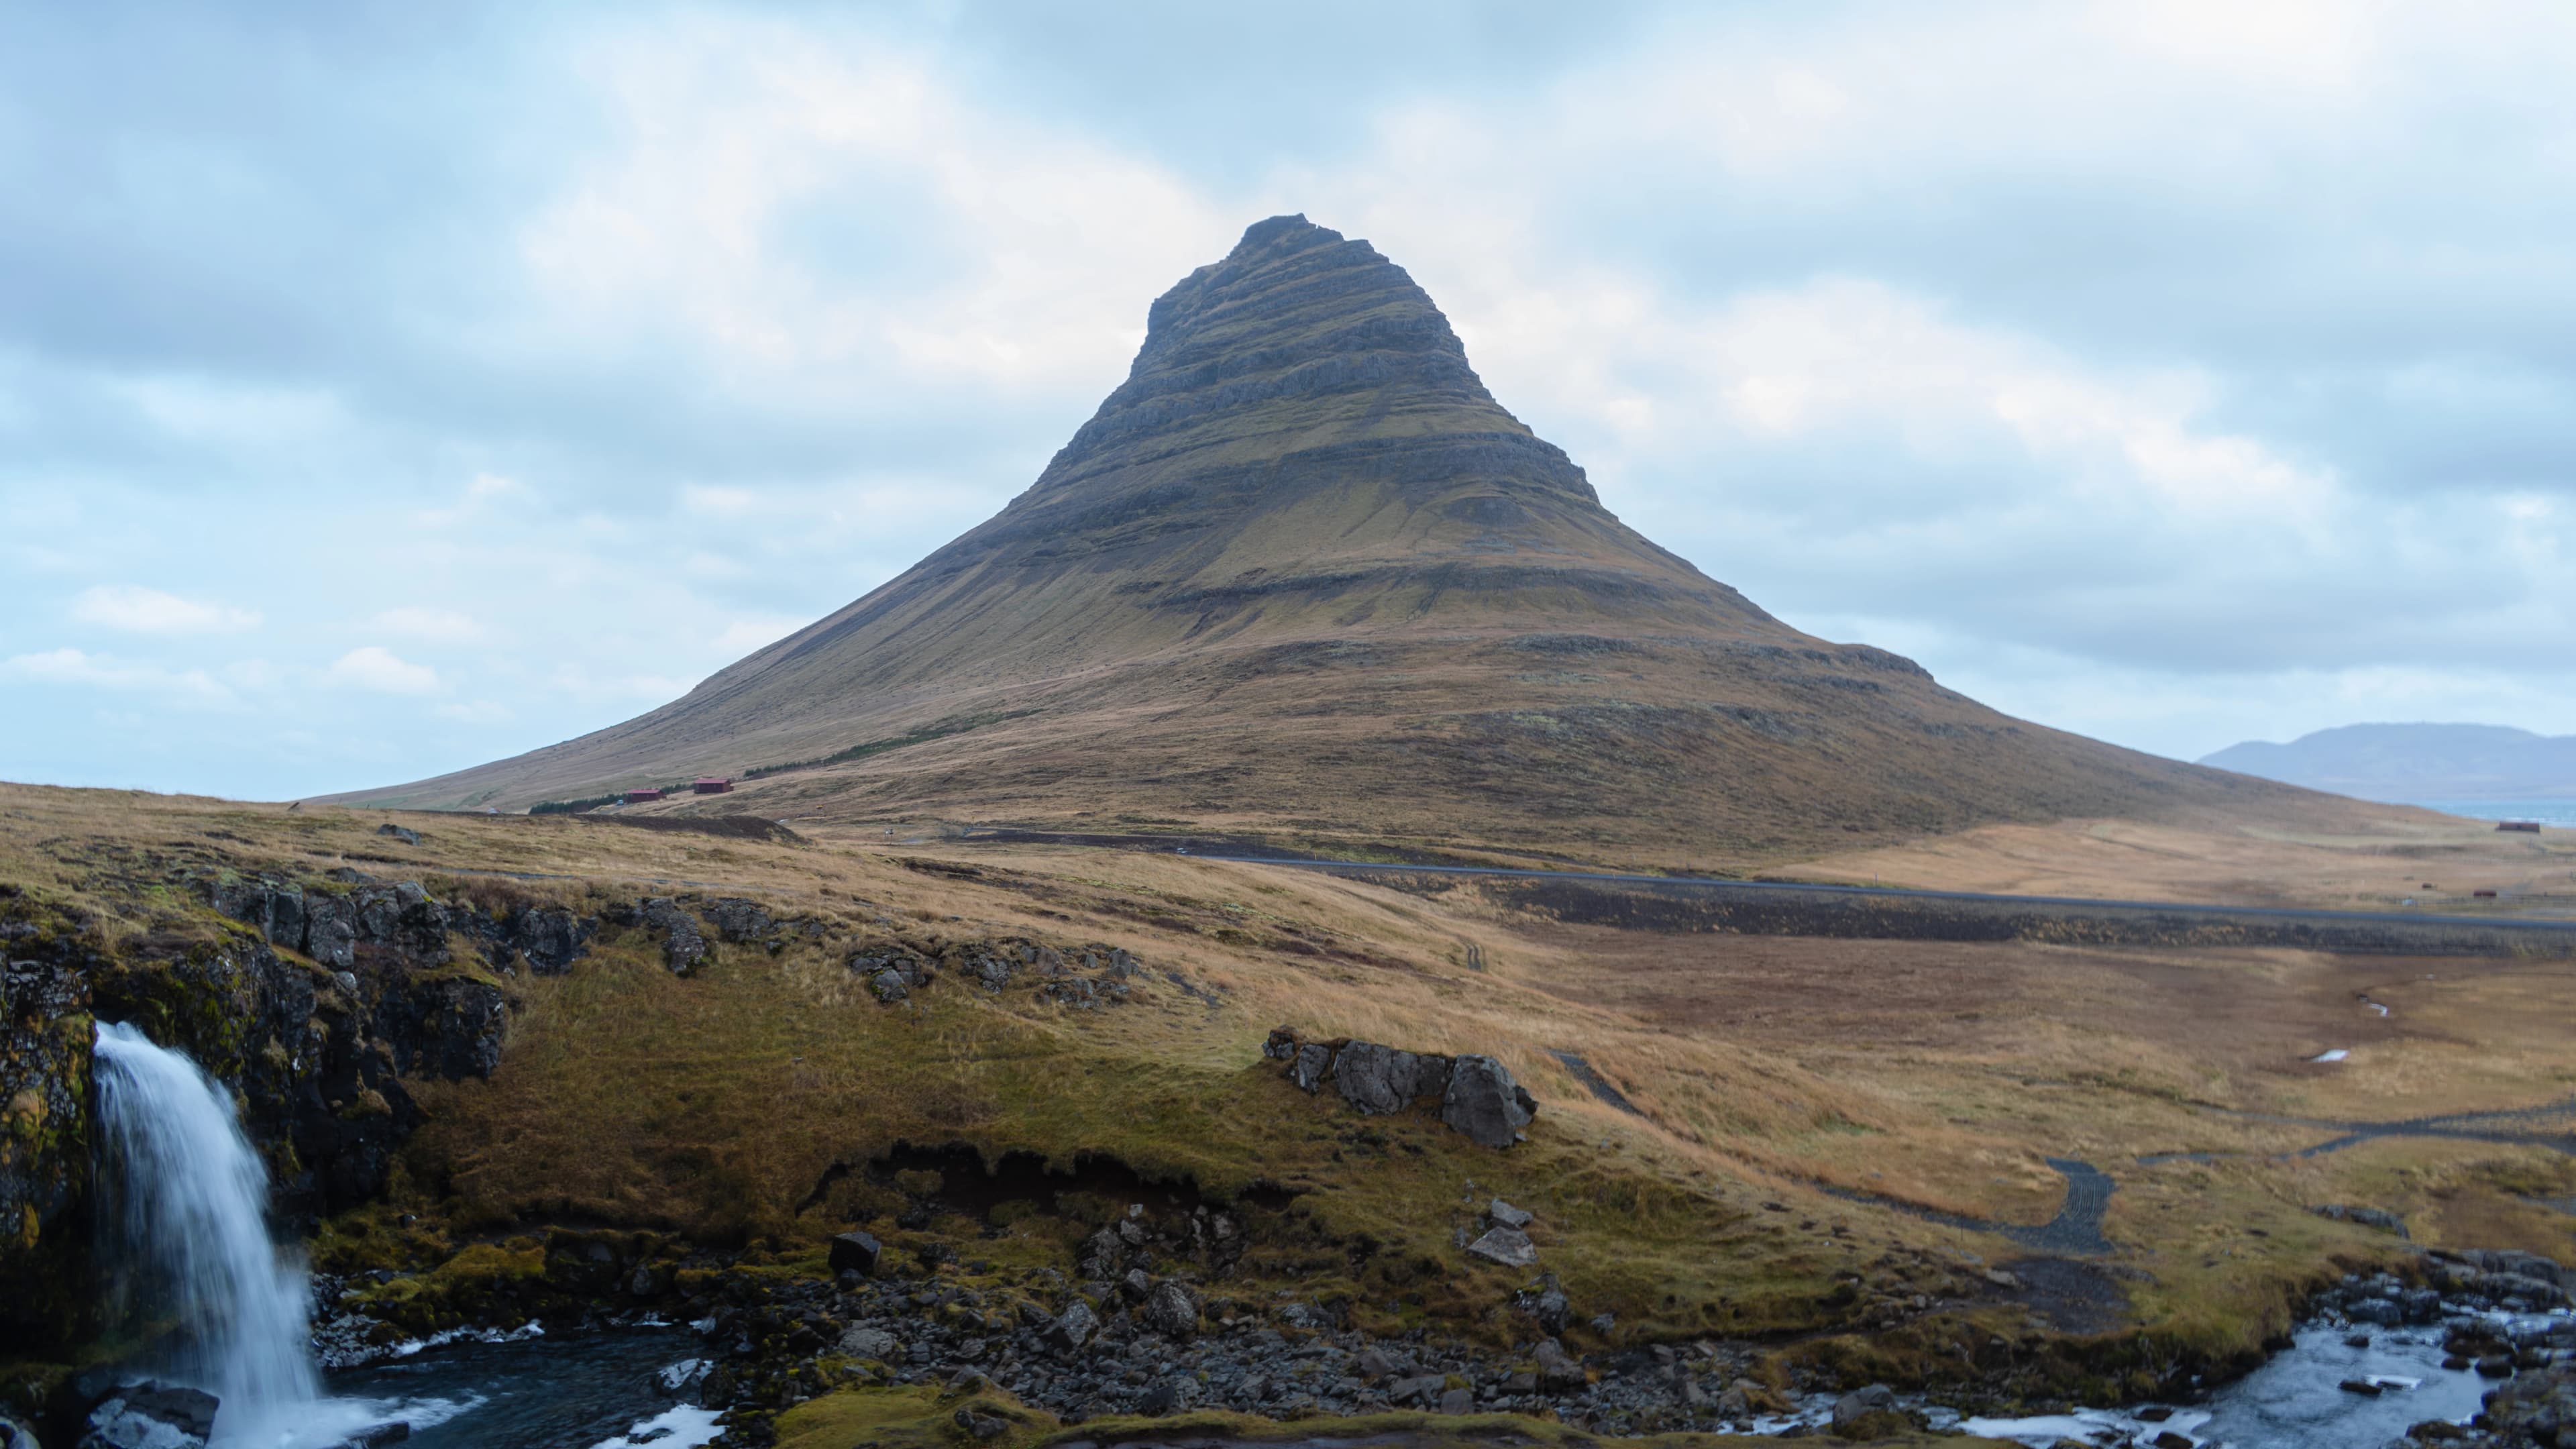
<point>151,1416</point>
<point>737,920</point>
<point>44,1139</point>
<point>1477,1094</point>
<point>683,947</point>
<point>1378,1079</point>
<point>855,1252</point>
<point>1484,1102</point>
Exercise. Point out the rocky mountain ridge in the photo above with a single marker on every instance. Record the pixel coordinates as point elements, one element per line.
<point>1302,575</point>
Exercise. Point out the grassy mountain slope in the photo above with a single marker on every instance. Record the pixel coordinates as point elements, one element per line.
<point>1302,574</point>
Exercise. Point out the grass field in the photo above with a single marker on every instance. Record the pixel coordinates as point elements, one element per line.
<point>1786,1110</point>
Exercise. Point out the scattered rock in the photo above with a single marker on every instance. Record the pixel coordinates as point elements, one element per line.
<point>1557,1370</point>
<point>151,1416</point>
<point>1458,1401</point>
<point>738,920</point>
<point>1418,1390</point>
<point>1506,1215</point>
<point>855,1252</point>
<point>1484,1102</point>
<point>1072,1328</point>
<point>683,946</point>
<point>1507,1246</point>
<point>2363,1387</point>
<point>406,836</point>
<point>2367,1217</point>
<point>1171,1309</point>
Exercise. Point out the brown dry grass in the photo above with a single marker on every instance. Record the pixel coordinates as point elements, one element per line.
<point>1759,1068</point>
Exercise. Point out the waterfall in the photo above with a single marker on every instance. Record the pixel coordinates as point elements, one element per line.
<point>187,1219</point>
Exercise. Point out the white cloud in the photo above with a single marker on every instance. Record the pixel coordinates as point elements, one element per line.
<point>480,499</point>
<point>431,625</point>
<point>374,667</point>
<point>139,610</point>
<point>99,671</point>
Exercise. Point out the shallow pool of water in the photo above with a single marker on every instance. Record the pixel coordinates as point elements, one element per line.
<point>562,1391</point>
<point>2295,1401</point>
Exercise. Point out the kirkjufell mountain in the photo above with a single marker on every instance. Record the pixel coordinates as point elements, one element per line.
<point>1302,576</point>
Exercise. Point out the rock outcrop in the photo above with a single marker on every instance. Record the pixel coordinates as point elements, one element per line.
<point>1477,1095</point>
<point>317,1045</point>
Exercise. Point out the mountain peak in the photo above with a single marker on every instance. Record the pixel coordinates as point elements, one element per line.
<point>1301,571</point>
<point>1298,337</point>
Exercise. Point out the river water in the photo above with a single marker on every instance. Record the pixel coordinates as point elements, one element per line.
<point>599,1391</point>
<point>586,1391</point>
<point>190,1244</point>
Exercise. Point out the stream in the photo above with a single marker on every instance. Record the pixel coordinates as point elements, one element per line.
<point>599,1391</point>
<point>587,1391</point>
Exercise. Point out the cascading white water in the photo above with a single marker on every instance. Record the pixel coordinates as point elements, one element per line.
<point>189,1220</point>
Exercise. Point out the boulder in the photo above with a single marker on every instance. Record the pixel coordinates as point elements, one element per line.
<point>1507,1246</point>
<point>1486,1103</point>
<point>1421,1389</point>
<point>1072,1328</point>
<point>1379,1079</point>
<point>1308,1068</point>
<point>683,946</point>
<point>397,832</point>
<point>1557,1370</point>
<point>1458,1401</point>
<point>738,920</point>
<point>874,1344</point>
<point>1552,1310</point>
<point>2366,1217</point>
<point>855,1252</point>
<point>1865,1411</point>
<point>1171,1309</point>
<point>151,1416</point>
<point>550,937</point>
<point>1503,1214</point>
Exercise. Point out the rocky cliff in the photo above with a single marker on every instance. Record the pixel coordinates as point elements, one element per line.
<point>316,1040</point>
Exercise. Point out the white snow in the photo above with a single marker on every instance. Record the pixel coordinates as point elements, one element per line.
<point>686,1427</point>
<point>2338,1054</point>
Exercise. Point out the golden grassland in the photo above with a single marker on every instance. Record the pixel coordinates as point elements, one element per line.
<point>920,1418</point>
<point>1764,1075</point>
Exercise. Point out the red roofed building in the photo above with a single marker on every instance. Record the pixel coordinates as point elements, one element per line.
<point>709,785</point>
<point>633,797</point>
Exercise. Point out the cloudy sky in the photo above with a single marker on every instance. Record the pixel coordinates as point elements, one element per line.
<point>388,388</point>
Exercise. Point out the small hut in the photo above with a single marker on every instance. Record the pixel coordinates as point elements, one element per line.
<point>710,785</point>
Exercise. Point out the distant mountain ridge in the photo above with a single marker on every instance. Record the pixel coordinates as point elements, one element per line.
<point>2415,762</point>
<point>1302,576</point>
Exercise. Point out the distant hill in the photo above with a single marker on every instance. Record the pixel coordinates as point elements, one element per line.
<point>2416,762</point>
<point>1302,576</point>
